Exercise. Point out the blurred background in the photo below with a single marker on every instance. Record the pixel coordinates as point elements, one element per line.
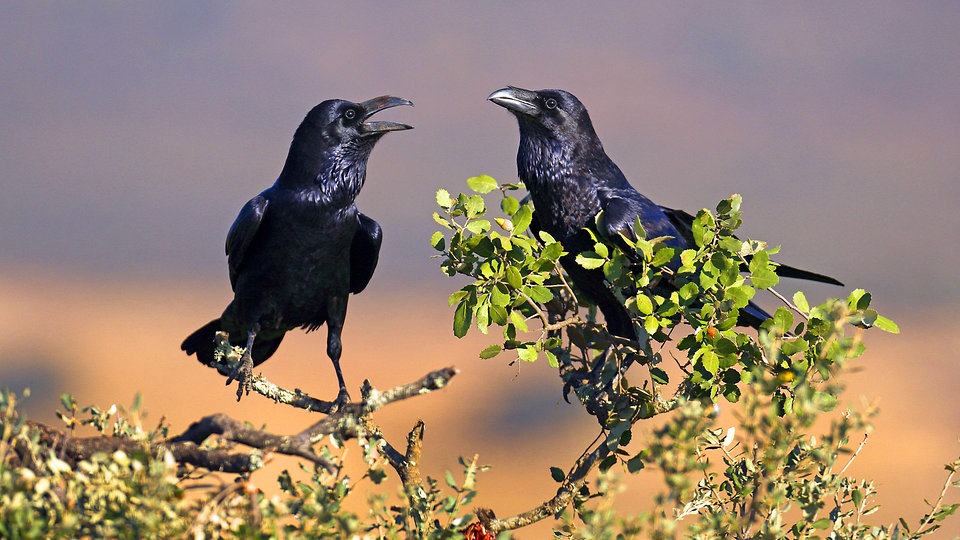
<point>133,133</point>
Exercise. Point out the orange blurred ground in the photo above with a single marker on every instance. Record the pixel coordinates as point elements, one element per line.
<point>106,341</point>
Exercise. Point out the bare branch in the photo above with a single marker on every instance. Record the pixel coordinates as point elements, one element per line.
<point>229,358</point>
<point>410,475</point>
<point>574,481</point>
<point>352,421</point>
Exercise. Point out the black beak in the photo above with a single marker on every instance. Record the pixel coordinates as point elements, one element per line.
<point>377,104</point>
<point>516,100</point>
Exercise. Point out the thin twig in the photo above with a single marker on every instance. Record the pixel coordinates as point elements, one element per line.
<point>931,516</point>
<point>788,303</point>
<point>855,454</point>
<point>574,481</point>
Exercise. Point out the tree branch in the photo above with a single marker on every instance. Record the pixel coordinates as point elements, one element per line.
<point>574,481</point>
<point>228,358</point>
<point>352,421</point>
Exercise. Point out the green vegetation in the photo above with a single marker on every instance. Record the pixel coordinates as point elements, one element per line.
<point>780,471</point>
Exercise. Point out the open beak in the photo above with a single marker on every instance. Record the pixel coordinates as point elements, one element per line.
<point>516,100</point>
<point>377,104</point>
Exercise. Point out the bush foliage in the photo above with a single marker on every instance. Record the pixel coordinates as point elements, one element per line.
<point>779,471</point>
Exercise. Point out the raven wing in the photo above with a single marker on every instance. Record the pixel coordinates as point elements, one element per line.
<point>622,207</point>
<point>364,252</point>
<point>683,222</point>
<point>241,233</point>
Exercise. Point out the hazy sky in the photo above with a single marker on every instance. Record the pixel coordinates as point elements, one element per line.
<point>133,133</point>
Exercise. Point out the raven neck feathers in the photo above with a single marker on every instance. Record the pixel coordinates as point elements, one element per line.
<point>563,178</point>
<point>334,174</point>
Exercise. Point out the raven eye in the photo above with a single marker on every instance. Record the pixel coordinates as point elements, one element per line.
<point>349,114</point>
<point>550,103</point>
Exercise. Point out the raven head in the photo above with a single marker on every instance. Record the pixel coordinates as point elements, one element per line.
<point>339,121</point>
<point>335,140</point>
<point>557,114</point>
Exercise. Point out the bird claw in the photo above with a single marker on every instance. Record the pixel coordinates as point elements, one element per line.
<point>567,388</point>
<point>243,374</point>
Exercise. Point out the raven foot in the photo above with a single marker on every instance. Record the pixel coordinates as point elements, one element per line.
<point>243,373</point>
<point>342,399</point>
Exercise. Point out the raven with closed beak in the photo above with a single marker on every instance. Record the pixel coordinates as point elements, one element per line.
<point>299,248</point>
<point>571,180</point>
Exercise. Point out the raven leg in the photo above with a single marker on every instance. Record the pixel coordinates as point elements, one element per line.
<point>243,373</point>
<point>336,313</point>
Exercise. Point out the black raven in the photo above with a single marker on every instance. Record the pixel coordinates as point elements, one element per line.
<point>571,179</point>
<point>300,247</point>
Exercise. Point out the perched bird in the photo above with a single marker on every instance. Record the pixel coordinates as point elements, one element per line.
<point>571,179</point>
<point>300,247</point>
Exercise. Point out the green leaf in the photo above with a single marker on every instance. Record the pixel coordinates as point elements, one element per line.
<point>710,361</point>
<point>635,464</point>
<point>517,319</point>
<point>659,376</point>
<point>859,299</point>
<point>552,251</point>
<point>441,221</point>
<point>663,256</point>
<point>509,205</point>
<point>457,296</point>
<point>546,238</point>
<point>514,279</point>
<point>557,474</point>
<point>945,511</point>
<point>482,314</point>
<point>644,304</point>
<point>644,247</point>
<point>822,524</point>
<point>482,183</point>
<point>589,260</point>
<point>474,206</point>
<point>478,226</point>
<point>791,348</point>
<point>607,462</point>
<point>552,359</point>
<point>732,393</point>
<point>700,228</point>
<point>725,346</point>
<point>498,314</point>
<point>689,291</point>
<point>800,300</point>
<point>461,319</point>
<point>886,325</point>
<point>527,354</point>
<point>499,295</point>
<point>539,293</point>
<point>443,198</point>
<point>730,244</point>
<point>764,278</point>
<point>522,218</point>
<point>857,497</point>
<point>651,324</point>
<point>437,241</point>
<point>638,229</point>
<point>824,401</point>
<point>740,295</point>
<point>490,351</point>
<point>783,319</point>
